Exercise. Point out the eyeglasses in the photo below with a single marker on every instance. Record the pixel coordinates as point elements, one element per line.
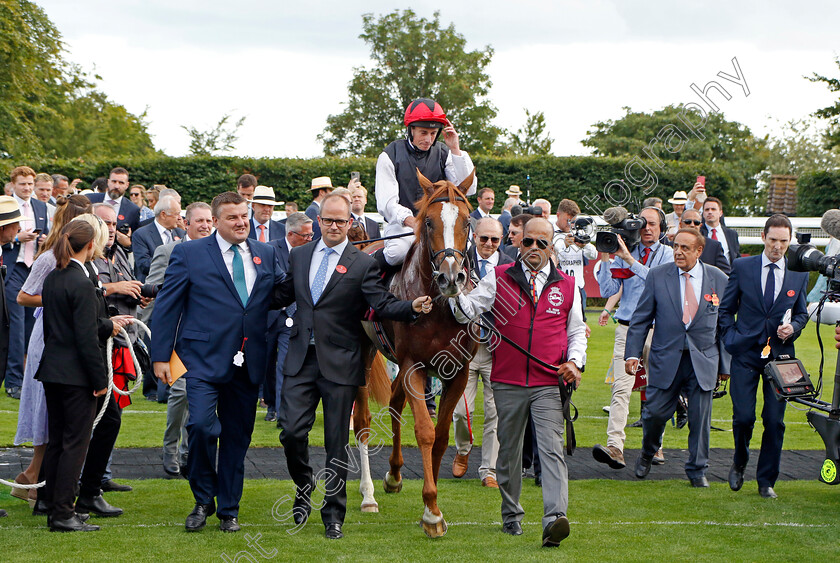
<point>307,236</point>
<point>484,239</point>
<point>692,222</point>
<point>542,244</point>
<point>339,222</point>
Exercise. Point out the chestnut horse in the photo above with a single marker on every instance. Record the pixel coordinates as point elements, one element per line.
<point>436,343</point>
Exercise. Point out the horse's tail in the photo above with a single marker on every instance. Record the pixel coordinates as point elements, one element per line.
<point>378,382</point>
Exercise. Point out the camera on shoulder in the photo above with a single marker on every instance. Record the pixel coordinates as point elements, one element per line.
<point>622,224</point>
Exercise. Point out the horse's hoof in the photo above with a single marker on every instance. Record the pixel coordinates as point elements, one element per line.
<point>370,507</point>
<point>436,530</point>
<point>390,485</point>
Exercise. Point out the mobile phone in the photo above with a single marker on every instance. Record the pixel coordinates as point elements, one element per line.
<point>701,180</point>
<point>36,231</point>
<point>354,176</point>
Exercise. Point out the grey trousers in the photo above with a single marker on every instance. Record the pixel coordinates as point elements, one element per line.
<point>513,403</point>
<point>177,411</point>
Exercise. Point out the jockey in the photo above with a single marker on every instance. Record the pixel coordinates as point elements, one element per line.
<point>397,187</point>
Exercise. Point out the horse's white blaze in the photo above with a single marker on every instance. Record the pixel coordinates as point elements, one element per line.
<point>449,216</point>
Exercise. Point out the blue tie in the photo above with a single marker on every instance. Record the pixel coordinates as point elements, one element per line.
<point>321,275</point>
<point>770,286</point>
<point>239,275</point>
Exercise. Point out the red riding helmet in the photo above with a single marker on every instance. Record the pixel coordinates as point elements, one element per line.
<point>424,112</point>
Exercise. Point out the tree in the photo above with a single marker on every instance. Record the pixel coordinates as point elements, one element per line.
<point>413,57</point>
<point>48,106</point>
<point>531,138</point>
<point>798,149</point>
<point>832,112</point>
<point>220,139</point>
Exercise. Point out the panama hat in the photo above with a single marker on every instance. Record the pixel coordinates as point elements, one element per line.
<point>10,211</point>
<point>264,195</point>
<point>321,182</point>
<point>514,191</point>
<point>679,198</point>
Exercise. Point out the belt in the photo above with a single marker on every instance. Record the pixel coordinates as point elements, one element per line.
<point>625,323</point>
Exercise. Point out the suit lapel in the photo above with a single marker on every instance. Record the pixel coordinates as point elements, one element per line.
<point>705,289</point>
<point>674,288</point>
<point>303,273</point>
<point>757,272</point>
<point>346,260</point>
<point>216,256</point>
<point>786,285</point>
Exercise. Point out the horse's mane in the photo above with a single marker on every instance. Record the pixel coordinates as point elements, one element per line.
<point>443,189</point>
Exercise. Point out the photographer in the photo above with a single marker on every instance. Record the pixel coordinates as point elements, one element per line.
<point>573,252</point>
<point>627,273</point>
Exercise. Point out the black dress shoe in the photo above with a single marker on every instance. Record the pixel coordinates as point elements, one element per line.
<point>72,524</point>
<point>736,477</point>
<point>41,508</point>
<point>229,524</point>
<point>643,466</point>
<point>302,506</point>
<point>767,492</point>
<point>13,392</point>
<point>3,513</point>
<point>637,424</point>
<point>172,474</point>
<point>333,531</point>
<point>538,480</point>
<point>699,482</point>
<point>556,532</point>
<point>198,517</point>
<point>111,486</point>
<point>512,528</point>
<point>271,416</point>
<point>97,505</point>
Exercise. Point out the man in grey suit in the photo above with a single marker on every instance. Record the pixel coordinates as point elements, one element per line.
<point>199,223</point>
<point>681,300</point>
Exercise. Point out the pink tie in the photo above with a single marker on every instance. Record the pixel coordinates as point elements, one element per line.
<point>28,247</point>
<point>689,301</point>
<point>262,233</point>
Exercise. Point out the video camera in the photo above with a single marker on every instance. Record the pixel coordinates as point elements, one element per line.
<point>534,210</point>
<point>804,257</point>
<point>622,224</point>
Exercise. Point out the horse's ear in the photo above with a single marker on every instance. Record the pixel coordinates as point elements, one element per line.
<point>427,186</point>
<point>465,185</point>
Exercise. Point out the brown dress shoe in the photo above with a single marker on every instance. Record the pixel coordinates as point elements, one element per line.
<point>460,465</point>
<point>610,455</point>
<point>490,481</point>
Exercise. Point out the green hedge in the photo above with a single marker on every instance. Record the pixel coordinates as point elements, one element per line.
<point>816,192</point>
<point>553,178</point>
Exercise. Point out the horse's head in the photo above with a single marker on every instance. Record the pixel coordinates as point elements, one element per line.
<point>357,232</point>
<point>443,224</point>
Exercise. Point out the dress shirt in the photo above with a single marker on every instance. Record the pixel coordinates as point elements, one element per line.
<point>165,234</point>
<point>117,202</point>
<point>256,224</point>
<point>696,274</point>
<point>778,272</point>
<point>721,238</point>
<point>492,262</point>
<point>482,213</point>
<point>318,255</point>
<point>480,300</point>
<point>634,286</point>
<point>247,260</point>
<point>26,225</point>
<point>388,189</point>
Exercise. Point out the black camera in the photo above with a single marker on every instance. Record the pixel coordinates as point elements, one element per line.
<point>622,224</point>
<point>804,257</point>
<point>582,229</point>
<point>148,290</point>
<point>124,228</point>
<point>534,210</point>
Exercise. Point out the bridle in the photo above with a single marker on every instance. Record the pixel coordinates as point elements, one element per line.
<point>446,252</point>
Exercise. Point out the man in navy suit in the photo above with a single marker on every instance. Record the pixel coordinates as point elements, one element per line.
<point>127,212</point>
<point>212,310</point>
<point>715,230</point>
<point>681,300</point>
<point>333,284</point>
<point>486,198</point>
<point>18,256</point>
<point>162,230</point>
<point>769,301</point>
<point>712,250</point>
<point>298,233</point>
<point>263,228</point>
<point>358,200</point>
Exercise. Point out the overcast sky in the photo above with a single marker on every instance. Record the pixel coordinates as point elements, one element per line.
<point>285,65</point>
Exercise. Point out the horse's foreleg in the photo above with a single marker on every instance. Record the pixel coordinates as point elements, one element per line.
<point>393,479</point>
<point>361,422</point>
<point>452,393</point>
<point>415,382</point>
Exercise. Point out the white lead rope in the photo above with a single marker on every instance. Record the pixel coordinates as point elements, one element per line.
<point>138,383</point>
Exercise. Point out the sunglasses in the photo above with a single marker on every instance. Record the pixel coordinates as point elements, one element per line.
<point>692,222</point>
<point>483,239</point>
<point>339,222</point>
<point>542,244</point>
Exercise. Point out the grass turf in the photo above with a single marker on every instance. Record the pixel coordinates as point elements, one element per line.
<point>144,421</point>
<point>611,520</point>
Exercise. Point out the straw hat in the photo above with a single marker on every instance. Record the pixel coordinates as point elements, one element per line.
<point>264,195</point>
<point>680,198</point>
<point>321,182</point>
<point>514,191</point>
<point>10,211</point>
